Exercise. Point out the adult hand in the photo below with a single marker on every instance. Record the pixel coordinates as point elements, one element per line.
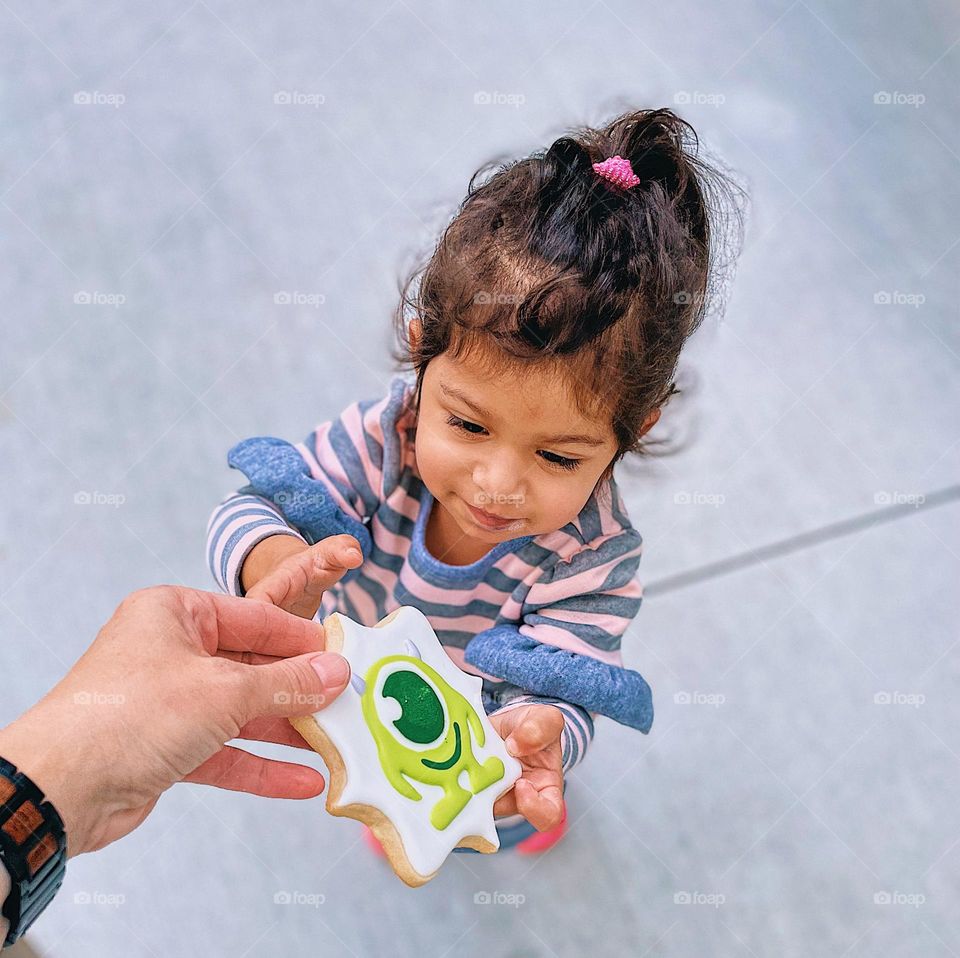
<point>169,679</point>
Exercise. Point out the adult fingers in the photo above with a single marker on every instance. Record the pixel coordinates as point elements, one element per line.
<point>295,686</point>
<point>239,771</point>
<point>268,728</point>
<point>247,658</point>
<point>244,626</point>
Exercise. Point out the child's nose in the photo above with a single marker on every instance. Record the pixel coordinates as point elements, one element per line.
<point>499,479</point>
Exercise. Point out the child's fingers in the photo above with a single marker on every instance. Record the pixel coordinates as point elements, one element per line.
<point>506,804</point>
<point>333,556</point>
<point>299,582</point>
<point>543,809</point>
<point>540,779</point>
<point>283,585</point>
<point>538,729</point>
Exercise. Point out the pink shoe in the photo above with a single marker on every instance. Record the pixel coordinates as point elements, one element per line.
<point>540,841</point>
<point>373,842</point>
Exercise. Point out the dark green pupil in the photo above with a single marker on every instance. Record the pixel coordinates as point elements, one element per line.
<point>421,720</point>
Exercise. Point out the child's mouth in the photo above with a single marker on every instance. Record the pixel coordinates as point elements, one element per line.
<point>493,522</point>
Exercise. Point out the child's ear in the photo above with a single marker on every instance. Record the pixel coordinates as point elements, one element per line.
<point>650,421</point>
<point>415,331</point>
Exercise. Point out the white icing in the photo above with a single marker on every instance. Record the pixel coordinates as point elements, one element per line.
<point>426,847</point>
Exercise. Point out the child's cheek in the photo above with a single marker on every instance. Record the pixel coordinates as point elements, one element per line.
<point>438,456</point>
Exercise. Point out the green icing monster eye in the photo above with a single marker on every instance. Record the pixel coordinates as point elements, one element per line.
<point>421,720</point>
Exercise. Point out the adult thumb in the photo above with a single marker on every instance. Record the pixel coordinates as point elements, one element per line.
<point>299,685</point>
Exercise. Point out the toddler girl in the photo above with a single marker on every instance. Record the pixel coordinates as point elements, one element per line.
<point>543,336</point>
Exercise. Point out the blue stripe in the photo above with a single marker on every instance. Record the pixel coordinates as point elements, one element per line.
<point>589,520</point>
<point>234,539</point>
<point>593,635</point>
<point>349,458</point>
<point>259,510</point>
<point>391,440</point>
<point>607,551</point>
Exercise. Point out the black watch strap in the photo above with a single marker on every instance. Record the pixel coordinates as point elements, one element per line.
<point>33,846</point>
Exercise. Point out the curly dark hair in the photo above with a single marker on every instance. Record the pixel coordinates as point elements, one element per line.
<point>560,269</point>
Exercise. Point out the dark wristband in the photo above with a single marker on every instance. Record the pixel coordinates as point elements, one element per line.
<point>33,848</point>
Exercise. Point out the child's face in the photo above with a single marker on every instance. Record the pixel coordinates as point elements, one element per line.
<point>503,454</point>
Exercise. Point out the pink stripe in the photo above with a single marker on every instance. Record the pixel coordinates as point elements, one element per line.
<point>432,593</point>
<point>383,577</point>
<point>366,608</point>
<point>331,469</point>
<point>570,728</point>
<point>562,639</point>
<point>612,624</point>
<point>576,730</point>
<point>359,426</point>
<point>583,583</point>
<point>401,501</point>
<point>455,597</point>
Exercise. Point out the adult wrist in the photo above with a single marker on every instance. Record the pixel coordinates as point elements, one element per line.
<point>32,851</point>
<point>59,767</point>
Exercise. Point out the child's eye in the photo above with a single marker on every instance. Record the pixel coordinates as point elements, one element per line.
<point>561,462</point>
<point>463,425</point>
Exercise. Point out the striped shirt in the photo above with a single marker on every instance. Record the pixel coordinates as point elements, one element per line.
<point>573,589</point>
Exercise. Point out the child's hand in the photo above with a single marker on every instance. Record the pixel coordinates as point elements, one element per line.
<point>532,735</point>
<point>297,574</point>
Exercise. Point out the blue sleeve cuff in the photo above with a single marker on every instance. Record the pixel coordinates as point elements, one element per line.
<point>618,693</point>
<point>277,471</point>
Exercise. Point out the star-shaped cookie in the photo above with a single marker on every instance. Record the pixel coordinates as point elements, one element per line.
<point>409,747</point>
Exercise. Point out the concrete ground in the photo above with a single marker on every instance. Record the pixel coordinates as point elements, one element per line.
<point>798,792</point>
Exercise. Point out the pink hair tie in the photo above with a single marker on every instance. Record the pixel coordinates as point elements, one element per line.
<point>618,171</point>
